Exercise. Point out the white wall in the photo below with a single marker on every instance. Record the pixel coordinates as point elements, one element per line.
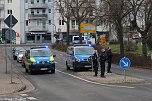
<point>16,9</point>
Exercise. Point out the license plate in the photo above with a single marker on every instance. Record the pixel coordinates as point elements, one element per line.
<point>43,68</point>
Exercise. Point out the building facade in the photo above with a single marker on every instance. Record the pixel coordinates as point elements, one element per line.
<point>39,21</point>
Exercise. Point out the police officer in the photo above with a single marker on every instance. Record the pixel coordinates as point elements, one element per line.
<point>109,59</point>
<point>102,62</point>
<point>95,63</point>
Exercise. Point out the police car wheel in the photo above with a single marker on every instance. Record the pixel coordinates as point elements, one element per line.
<point>26,70</point>
<point>68,68</point>
<point>53,71</point>
<point>74,68</point>
<point>30,71</point>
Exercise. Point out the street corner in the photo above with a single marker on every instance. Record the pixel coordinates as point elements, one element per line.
<point>110,78</point>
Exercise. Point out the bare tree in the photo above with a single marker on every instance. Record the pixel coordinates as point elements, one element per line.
<point>81,10</point>
<point>142,13</point>
<point>66,14</point>
<point>117,12</point>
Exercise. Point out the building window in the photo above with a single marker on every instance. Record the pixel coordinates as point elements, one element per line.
<point>37,11</point>
<point>26,22</point>
<point>9,1</point>
<point>32,1</point>
<point>49,11</point>
<point>37,1</point>
<point>49,0</point>
<point>43,11</point>
<point>61,22</point>
<point>49,22</point>
<point>73,22</point>
<point>32,11</point>
<point>43,1</point>
<point>26,1</point>
<point>9,11</point>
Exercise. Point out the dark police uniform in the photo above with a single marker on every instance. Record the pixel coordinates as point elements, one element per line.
<point>95,63</point>
<point>109,59</point>
<point>102,63</point>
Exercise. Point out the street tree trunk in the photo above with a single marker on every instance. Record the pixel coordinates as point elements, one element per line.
<point>79,33</point>
<point>120,39</point>
<point>144,45</point>
<point>68,31</point>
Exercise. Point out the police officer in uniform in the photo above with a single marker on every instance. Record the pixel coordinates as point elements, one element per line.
<point>95,63</point>
<point>102,62</point>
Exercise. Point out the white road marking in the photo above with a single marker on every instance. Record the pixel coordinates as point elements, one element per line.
<point>23,95</point>
<point>94,82</point>
<point>31,98</point>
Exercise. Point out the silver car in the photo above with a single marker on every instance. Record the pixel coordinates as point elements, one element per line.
<point>20,55</point>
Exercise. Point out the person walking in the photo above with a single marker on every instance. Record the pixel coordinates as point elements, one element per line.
<point>102,62</point>
<point>109,59</point>
<point>95,63</point>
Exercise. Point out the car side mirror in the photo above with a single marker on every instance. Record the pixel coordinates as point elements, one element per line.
<point>54,55</point>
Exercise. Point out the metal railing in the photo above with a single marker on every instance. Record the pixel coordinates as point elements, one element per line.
<point>38,5</point>
<point>37,16</point>
<point>37,28</point>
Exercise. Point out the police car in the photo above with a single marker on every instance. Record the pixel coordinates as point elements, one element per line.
<point>39,59</point>
<point>78,56</point>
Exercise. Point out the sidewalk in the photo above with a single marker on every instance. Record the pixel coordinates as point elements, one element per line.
<point>19,83</point>
<point>111,78</point>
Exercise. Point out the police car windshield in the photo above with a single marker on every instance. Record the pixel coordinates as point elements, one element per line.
<point>84,50</point>
<point>22,52</point>
<point>40,53</point>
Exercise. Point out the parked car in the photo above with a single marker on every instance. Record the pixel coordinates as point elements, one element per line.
<point>39,59</point>
<point>78,56</point>
<point>16,52</point>
<point>20,55</point>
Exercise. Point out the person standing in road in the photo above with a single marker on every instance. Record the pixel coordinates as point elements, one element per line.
<point>102,62</point>
<point>95,63</point>
<point>109,59</point>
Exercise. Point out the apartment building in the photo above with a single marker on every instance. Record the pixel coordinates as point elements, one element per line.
<point>39,21</point>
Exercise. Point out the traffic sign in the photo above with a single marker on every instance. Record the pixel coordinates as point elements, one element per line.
<point>125,63</point>
<point>88,28</point>
<point>10,34</point>
<point>103,41</point>
<point>10,21</point>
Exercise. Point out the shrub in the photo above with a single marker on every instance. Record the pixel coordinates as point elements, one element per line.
<point>130,45</point>
<point>149,43</point>
<point>136,60</point>
<point>113,42</point>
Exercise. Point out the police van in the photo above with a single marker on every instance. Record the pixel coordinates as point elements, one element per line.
<point>39,59</point>
<point>78,56</point>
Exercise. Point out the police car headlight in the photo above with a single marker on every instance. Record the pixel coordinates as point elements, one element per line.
<point>78,60</point>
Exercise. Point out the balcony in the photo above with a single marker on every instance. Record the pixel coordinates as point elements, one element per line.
<point>1,6</point>
<point>37,16</point>
<point>37,28</point>
<point>37,5</point>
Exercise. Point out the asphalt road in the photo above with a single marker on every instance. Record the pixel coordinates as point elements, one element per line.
<point>63,87</point>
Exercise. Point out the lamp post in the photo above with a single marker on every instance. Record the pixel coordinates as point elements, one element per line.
<point>52,35</point>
